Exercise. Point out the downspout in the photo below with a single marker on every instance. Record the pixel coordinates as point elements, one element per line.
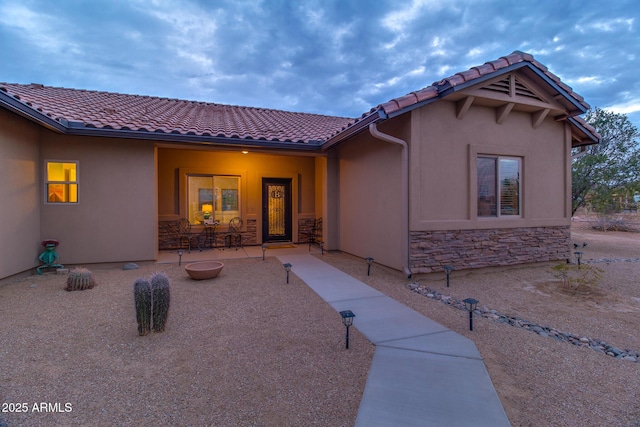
<point>405,190</point>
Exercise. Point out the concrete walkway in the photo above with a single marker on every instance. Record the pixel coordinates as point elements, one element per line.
<point>422,373</point>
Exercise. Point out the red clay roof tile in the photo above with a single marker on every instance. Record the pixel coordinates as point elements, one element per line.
<point>407,100</point>
<point>104,110</point>
<point>426,93</point>
<point>484,69</point>
<point>454,80</point>
<point>513,58</point>
<point>471,74</point>
<point>477,72</point>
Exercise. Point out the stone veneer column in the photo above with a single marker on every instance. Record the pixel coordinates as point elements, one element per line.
<point>167,235</point>
<point>465,249</point>
<point>305,228</point>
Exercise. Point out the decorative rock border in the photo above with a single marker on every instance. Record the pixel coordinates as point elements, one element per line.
<point>545,331</point>
<point>610,260</point>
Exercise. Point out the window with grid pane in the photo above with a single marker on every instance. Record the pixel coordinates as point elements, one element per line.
<point>498,186</point>
<point>61,182</point>
<point>213,197</point>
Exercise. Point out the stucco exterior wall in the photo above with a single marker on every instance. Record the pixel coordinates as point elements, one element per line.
<point>20,207</point>
<point>370,199</point>
<point>174,164</point>
<point>116,217</point>
<point>443,171</point>
<point>445,228</point>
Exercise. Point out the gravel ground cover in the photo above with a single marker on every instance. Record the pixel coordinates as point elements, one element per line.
<point>246,349</point>
<point>541,381</point>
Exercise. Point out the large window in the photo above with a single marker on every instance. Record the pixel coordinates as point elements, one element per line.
<point>61,182</point>
<point>213,198</point>
<point>498,186</point>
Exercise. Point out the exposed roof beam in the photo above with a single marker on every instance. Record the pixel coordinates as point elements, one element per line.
<point>463,106</point>
<point>538,117</point>
<point>503,111</point>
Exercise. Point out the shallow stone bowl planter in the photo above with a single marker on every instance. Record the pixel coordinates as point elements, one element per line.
<point>203,270</point>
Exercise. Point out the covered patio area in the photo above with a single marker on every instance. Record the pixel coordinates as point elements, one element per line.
<point>172,257</point>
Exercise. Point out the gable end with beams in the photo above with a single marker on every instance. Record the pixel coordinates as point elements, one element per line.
<point>507,93</point>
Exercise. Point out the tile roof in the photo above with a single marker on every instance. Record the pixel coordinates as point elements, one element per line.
<point>436,89</point>
<point>105,110</point>
<point>441,88</point>
<point>145,114</point>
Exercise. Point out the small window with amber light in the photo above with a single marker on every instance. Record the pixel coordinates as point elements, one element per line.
<point>61,182</point>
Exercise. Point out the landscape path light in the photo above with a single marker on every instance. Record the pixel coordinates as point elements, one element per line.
<point>471,305</point>
<point>180,252</point>
<point>264,249</point>
<point>369,262</point>
<point>578,257</point>
<point>347,321</point>
<point>287,268</point>
<point>448,269</point>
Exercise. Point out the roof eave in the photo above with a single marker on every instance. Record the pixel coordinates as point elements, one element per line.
<point>448,89</point>
<point>375,116</point>
<point>78,129</point>
<point>16,106</point>
<point>540,73</point>
<point>591,139</point>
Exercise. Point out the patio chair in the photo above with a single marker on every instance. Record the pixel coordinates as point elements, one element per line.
<point>210,235</point>
<point>234,235</point>
<point>184,233</point>
<point>315,234</point>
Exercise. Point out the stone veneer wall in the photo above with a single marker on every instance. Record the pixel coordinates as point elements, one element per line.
<point>168,235</point>
<point>464,249</point>
<point>305,228</point>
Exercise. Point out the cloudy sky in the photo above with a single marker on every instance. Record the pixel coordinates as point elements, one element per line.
<point>336,57</point>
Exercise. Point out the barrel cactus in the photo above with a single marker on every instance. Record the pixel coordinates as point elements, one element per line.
<point>142,298</point>
<point>80,279</point>
<point>161,299</point>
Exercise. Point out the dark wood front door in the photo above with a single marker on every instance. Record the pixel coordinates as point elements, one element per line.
<point>276,210</point>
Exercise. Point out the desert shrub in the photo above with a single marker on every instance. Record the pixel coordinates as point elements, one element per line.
<point>80,279</point>
<point>614,223</point>
<point>578,278</point>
